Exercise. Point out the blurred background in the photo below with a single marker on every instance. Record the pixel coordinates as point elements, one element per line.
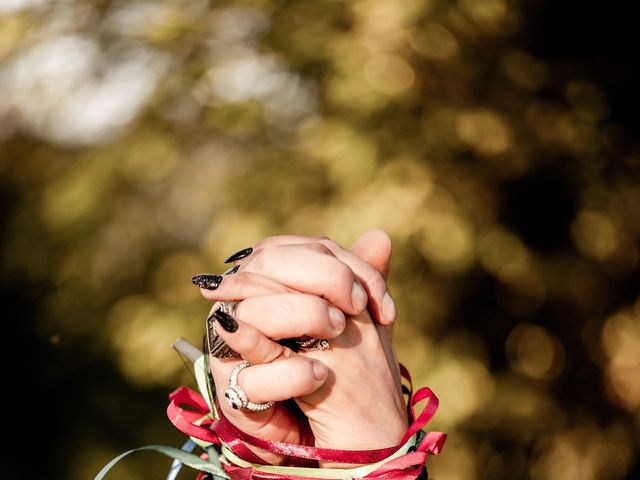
<point>496,141</point>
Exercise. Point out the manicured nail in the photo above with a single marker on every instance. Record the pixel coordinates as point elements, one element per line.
<point>207,280</point>
<point>290,343</point>
<point>320,370</point>
<point>359,297</point>
<point>226,321</point>
<point>389,310</point>
<point>232,270</point>
<point>336,318</point>
<point>245,252</point>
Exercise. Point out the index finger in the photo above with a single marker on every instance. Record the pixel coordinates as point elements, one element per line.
<point>381,305</point>
<point>311,268</point>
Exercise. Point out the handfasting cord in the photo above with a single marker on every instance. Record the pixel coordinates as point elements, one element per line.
<point>196,416</point>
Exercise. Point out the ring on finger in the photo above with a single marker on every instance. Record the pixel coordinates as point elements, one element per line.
<point>310,344</point>
<point>237,398</point>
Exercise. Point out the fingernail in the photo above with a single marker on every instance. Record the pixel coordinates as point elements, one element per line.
<point>232,270</point>
<point>336,318</point>
<point>389,310</point>
<point>207,280</point>
<point>359,297</point>
<point>320,370</point>
<point>290,343</point>
<point>226,321</point>
<point>245,252</point>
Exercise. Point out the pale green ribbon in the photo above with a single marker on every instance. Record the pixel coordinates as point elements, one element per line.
<point>189,459</point>
<point>321,473</point>
<point>212,465</point>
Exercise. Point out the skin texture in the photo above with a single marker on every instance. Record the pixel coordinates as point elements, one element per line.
<point>293,286</point>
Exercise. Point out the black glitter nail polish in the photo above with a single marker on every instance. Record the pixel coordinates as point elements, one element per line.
<point>226,321</point>
<point>207,280</point>
<point>245,252</point>
<point>232,270</point>
<point>290,343</point>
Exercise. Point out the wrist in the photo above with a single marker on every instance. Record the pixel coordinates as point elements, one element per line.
<point>332,470</point>
<point>389,435</point>
<point>362,432</point>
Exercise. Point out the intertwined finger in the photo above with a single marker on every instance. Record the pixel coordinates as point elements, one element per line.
<point>249,342</point>
<point>291,315</point>
<point>280,380</point>
<point>242,285</point>
<point>381,304</point>
<point>310,268</point>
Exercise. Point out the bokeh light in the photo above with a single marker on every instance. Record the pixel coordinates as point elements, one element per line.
<point>142,142</point>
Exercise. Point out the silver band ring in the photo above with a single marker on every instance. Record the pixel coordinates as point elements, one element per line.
<point>218,348</point>
<point>236,398</point>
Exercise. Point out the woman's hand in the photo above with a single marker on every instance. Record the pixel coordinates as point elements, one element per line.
<point>344,391</point>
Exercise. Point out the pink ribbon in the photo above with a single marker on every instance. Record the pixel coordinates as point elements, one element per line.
<point>187,407</point>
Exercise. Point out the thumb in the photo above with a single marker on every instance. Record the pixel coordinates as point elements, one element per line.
<point>374,247</point>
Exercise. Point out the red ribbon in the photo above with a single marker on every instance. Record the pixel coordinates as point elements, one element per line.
<point>187,407</point>
<point>196,408</point>
<point>184,418</point>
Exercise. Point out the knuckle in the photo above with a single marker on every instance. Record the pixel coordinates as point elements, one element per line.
<point>341,276</point>
<point>319,247</point>
<point>242,282</point>
<point>271,354</point>
<point>264,242</point>
<point>248,340</point>
<point>242,311</point>
<point>375,282</point>
<point>330,244</point>
<point>314,310</point>
<point>258,260</point>
<point>289,304</point>
<point>269,242</point>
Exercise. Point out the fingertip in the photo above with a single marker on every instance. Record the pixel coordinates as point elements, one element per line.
<point>212,295</point>
<point>337,319</point>
<point>389,310</point>
<point>374,247</point>
<point>208,294</point>
<point>320,370</point>
<point>381,235</point>
<point>359,298</point>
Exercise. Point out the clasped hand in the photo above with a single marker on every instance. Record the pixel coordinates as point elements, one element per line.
<point>346,397</point>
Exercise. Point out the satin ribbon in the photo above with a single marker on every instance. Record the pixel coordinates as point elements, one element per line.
<point>320,473</point>
<point>186,411</point>
<point>405,467</point>
<point>223,431</point>
<point>194,415</point>
<point>183,457</point>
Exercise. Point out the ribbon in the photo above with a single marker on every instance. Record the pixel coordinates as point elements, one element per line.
<point>176,465</point>
<point>186,458</point>
<point>237,440</point>
<point>193,415</point>
<point>406,467</point>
